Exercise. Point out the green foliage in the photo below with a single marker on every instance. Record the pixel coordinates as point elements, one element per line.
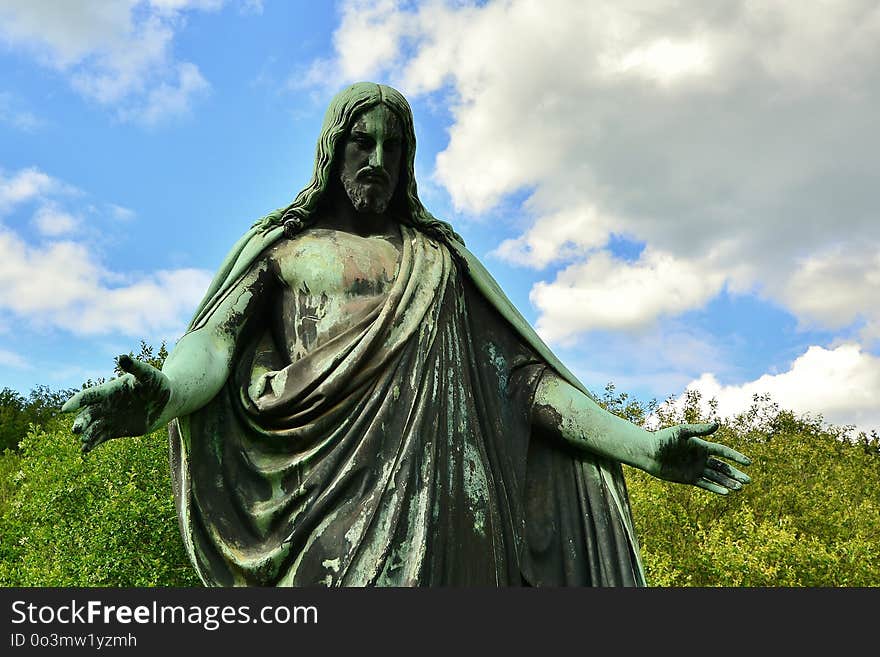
<point>626,407</point>
<point>146,354</point>
<point>10,464</point>
<point>105,519</point>
<point>810,517</point>
<point>18,412</point>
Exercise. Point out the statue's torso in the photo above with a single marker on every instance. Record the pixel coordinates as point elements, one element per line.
<point>329,280</point>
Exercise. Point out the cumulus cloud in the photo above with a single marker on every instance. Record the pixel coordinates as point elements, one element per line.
<point>23,186</point>
<point>605,293</point>
<point>61,282</point>
<point>12,359</point>
<point>367,38</point>
<point>737,139</point>
<point>829,288</point>
<point>117,53</point>
<point>562,235</point>
<point>170,98</point>
<point>842,384</point>
<point>52,221</point>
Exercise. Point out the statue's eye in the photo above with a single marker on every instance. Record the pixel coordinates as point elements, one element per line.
<point>362,140</point>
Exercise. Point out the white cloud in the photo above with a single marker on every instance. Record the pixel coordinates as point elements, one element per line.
<point>251,6</point>
<point>605,293</point>
<point>663,61</point>
<point>22,187</point>
<point>842,384</point>
<point>171,99</point>
<point>53,222</point>
<point>62,283</point>
<point>830,288</point>
<point>562,235</point>
<point>31,186</point>
<point>12,359</point>
<point>118,53</point>
<point>368,36</point>
<point>171,6</point>
<point>648,364</point>
<point>738,139</point>
<point>63,32</point>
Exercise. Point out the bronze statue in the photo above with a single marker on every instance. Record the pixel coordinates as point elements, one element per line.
<point>356,402</point>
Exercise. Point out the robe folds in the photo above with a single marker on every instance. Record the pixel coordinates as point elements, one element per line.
<point>398,453</point>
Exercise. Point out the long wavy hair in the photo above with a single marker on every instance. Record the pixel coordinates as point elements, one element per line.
<point>405,205</point>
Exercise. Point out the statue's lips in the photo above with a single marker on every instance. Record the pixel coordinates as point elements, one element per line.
<point>373,179</point>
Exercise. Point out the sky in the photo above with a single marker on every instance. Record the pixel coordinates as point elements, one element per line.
<point>678,195</point>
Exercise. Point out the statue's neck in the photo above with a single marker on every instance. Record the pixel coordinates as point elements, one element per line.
<point>341,215</point>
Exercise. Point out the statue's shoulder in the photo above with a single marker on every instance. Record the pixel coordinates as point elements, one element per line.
<point>301,255</point>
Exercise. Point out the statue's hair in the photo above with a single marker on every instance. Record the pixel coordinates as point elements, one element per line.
<point>341,114</point>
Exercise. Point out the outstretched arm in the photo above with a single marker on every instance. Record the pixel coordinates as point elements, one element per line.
<point>145,398</point>
<point>676,453</point>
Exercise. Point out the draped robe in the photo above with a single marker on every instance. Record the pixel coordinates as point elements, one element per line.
<point>397,452</point>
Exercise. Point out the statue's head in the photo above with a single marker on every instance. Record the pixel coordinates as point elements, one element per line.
<point>367,160</point>
<point>367,148</point>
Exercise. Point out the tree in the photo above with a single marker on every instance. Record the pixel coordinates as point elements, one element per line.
<point>811,517</point>
<point>17,412</point>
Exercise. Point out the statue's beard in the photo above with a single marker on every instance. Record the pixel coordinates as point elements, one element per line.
<point>365,197</point>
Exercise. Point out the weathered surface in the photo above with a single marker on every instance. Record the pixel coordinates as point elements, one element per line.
<point>356,401</point>
<point>385,444</point>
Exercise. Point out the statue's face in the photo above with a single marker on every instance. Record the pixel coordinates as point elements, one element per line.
<point>371,156</point>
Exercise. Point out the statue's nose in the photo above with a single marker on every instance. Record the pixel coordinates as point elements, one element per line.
<point>377,157</point>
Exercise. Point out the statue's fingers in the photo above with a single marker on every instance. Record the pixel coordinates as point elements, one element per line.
<point>717,449</point>
<point>698,429</point>
<point>94,435</point>
<point>83,398</point>
<point>723,480</point>
<point>143,372</point>
<point>711,486</point>
<point>71,404</point>
<point>83,418</point>
<point>80,399</point>
<point>729,470</point>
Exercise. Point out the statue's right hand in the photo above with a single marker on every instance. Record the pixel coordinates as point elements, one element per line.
<point>127,406</point>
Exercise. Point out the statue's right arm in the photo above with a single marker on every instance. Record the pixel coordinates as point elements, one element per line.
<point>144,398</point>
<point>200,362</point>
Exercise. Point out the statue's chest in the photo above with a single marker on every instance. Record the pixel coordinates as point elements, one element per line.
<point>330,282</point>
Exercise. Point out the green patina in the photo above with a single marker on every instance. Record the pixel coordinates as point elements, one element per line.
<point>345,408</point>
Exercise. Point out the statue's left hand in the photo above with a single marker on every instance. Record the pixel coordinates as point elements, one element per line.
<point>680,454</point>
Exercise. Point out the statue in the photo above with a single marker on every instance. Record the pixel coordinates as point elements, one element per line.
<point>357,403</point>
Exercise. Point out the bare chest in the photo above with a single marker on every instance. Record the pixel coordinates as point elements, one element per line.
<point>330,281</point>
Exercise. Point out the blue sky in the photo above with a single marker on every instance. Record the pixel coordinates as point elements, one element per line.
<point>674,194</point>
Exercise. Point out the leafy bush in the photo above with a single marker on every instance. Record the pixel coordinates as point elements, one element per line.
<point>106,519</point>
<point>17,412</point>
<point>810,517</point>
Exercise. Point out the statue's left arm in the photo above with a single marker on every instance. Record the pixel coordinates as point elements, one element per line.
<point>677,453</point>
